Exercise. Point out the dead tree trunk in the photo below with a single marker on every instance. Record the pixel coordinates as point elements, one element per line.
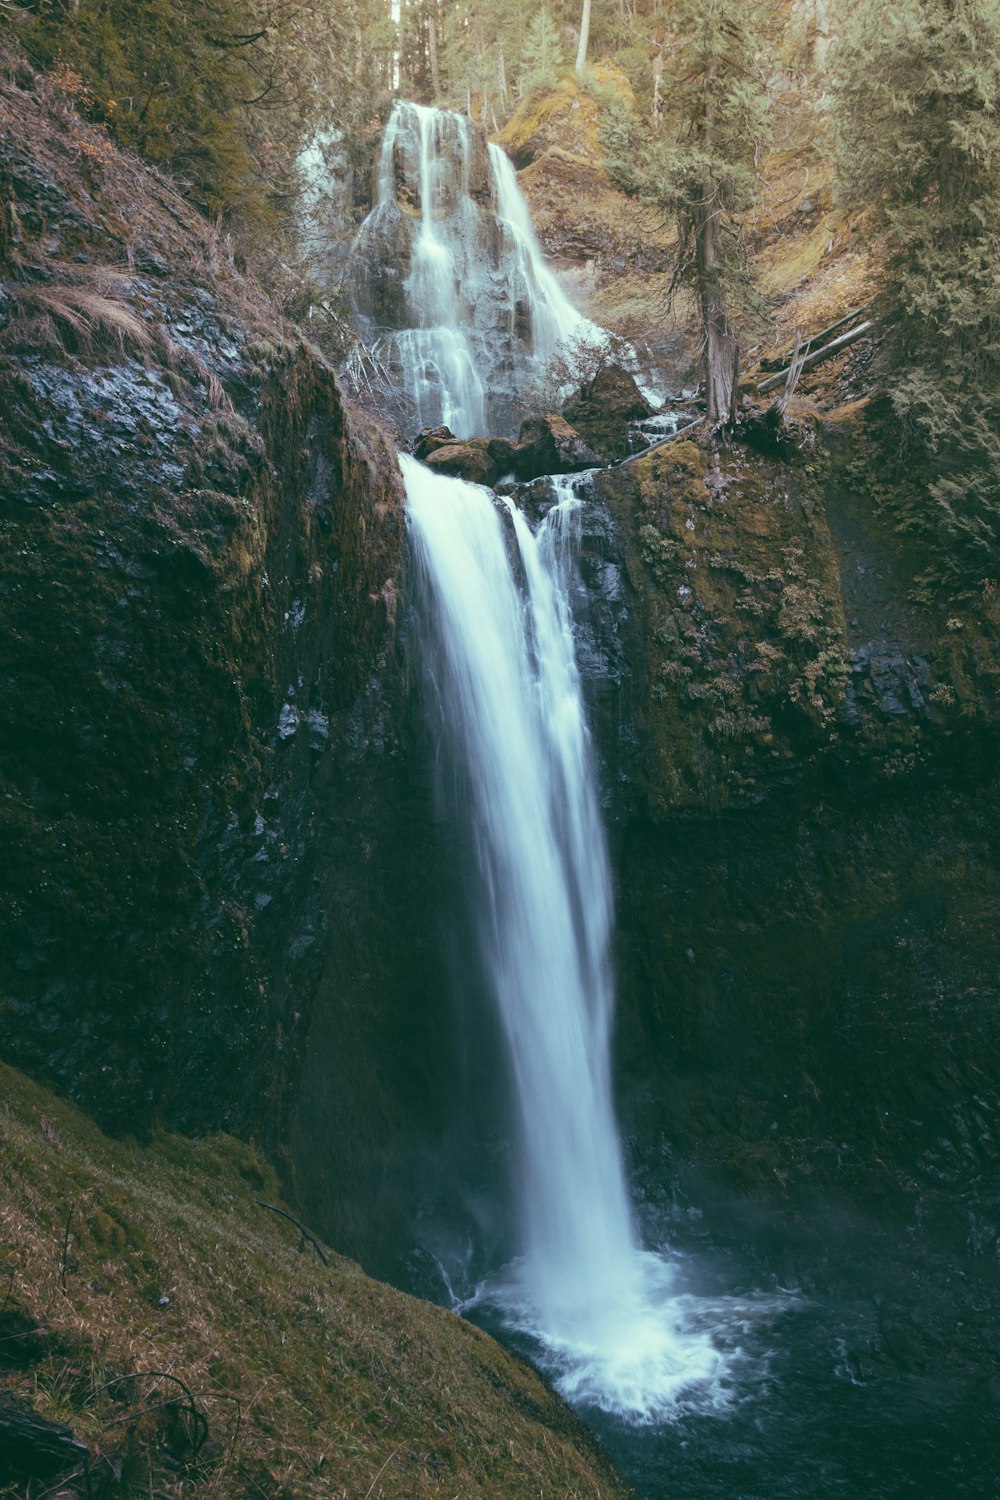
<point>721,349</point>
<point>814,341</point>
<point>794,371</point>
<point>31,1446</point>
<point>581,51</point>
<point>432,47</point>
<point>818,355</point>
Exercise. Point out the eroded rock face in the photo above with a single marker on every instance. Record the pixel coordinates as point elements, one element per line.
<point>584,221</point>
<point>202,797</point>
<point>802,800</point>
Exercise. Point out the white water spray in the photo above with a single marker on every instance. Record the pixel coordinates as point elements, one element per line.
<point>555,321</point>
<point>604,1312</point>
<point>436,354</point>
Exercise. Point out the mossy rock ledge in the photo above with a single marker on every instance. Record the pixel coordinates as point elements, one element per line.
<point>801,782</point>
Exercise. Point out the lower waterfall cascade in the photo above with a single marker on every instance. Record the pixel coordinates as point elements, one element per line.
<point>606,1315</point>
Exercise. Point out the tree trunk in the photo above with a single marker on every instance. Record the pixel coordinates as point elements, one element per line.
<point>432,47</point>
<point>657,80</point>
<point>33,1447</point>
<point>581,51</point>
<point>721,349</point>
<point>502,79</point>
<point>818,355</point>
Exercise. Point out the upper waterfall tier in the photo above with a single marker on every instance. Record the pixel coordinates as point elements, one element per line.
<point>447,278</point>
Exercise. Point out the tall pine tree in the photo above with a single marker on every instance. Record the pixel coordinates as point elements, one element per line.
<point>701,167</point>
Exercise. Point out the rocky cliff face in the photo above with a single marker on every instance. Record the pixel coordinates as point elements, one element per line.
<point>202,801</point>
<point>802,794</point>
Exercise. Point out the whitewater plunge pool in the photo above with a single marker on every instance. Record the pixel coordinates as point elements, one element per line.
<point>717,1349</point>
<point>855,1370</point>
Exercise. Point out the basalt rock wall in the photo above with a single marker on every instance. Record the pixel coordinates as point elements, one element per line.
<point>800,782</point>
<point>203,798</point>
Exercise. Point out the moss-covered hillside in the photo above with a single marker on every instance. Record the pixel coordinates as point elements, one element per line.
<point>197,1345</point>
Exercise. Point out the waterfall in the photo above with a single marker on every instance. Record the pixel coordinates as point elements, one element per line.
<point>603,1312</point>
<point>436,354</point>
<point>448,281</point>
<point>555,321</point>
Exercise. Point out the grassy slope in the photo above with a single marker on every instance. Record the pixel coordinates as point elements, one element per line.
<point>314,1380</point>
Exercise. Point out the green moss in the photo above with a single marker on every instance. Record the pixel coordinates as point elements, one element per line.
<point>744,623</point>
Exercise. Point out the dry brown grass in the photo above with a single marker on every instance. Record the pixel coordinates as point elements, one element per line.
<point>98,312</point>
<point>144,1266</point>
<point>85,318</point>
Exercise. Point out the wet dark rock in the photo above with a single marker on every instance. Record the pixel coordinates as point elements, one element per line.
<point>603,408</point>
<point>204,698</point>
<point>431,439</point>
<point>549,445</point>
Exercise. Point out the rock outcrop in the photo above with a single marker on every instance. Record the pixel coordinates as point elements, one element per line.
<point>199,612</point>
<point>603,408</point>
<point>545,445</point>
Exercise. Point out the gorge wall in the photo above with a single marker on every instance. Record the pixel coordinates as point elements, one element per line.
<point>800,778</point>
<point>225,882</point>
<point>204,798</point>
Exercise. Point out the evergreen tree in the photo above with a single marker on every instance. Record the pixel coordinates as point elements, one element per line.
<point>481,57</point>
<point>918,121</point>
<point>701,167</point>
<point>541,56</point>
<point>220,92</point>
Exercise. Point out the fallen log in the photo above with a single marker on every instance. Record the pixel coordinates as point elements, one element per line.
<point>794,371</point>
<point>671,437</point>
<point>781,361</point>
<point>33,1447</point>
<point>817,357</point>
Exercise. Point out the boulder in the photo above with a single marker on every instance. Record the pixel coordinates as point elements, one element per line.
<point>432,438</point>
<point>549,445</point>
<point>603,408</point>
<point>469,459</point>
